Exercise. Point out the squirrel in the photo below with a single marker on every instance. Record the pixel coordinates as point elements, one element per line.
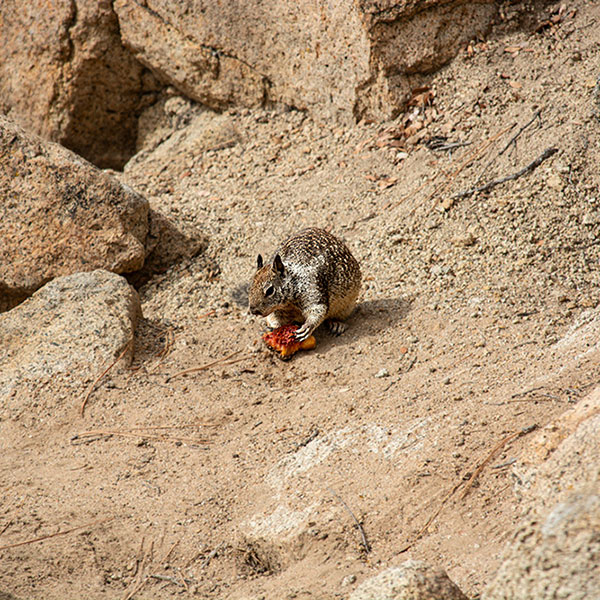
<point>313,278</point>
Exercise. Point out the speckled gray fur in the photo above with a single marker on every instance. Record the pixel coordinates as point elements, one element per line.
<point>316,279</point>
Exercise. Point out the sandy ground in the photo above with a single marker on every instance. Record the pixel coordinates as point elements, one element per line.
<point>243,480</point>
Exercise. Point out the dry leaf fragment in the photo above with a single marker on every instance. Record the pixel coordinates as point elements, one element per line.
<point>392,137</point>
<point>515,85</point>
<point>422,96</point>
<point>387,182</point>
<point>472,48</point>
<point>396,144</point>
<point>412,129</point>
<point>556,18</point>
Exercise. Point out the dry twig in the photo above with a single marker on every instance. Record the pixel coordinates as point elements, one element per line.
<point>513,139</point>
<point>52,535</point>
<point>8,524</point>
<point>169,579</point>
<point>510,142</point>
<point>140,579</point>
<point>441,145</point>
<point>525,392</point>
<point>403,199</point>
<point>93,385</point>
<point>209,313</point>
<point>468,482</point>
<point>169,336</point>
<point>365,543</point>
<point>211,555</point>
<point>133,434</point>
<point>492,454</point>
<point>168,554</point>
<point>169,342</point>
<point>470,158</point>
<point>492,184</point>
<point>431,519</point>
<point>226,360</point>
<point>171,427</point>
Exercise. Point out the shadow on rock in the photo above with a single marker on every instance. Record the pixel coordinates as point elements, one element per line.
<point>167,244</point>
<point>153,341</point>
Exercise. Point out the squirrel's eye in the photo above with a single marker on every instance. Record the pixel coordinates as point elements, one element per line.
<point>269,290</point>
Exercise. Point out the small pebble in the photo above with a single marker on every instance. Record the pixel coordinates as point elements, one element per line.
<point>554,181</point>
<point>348,580</point>
<point>382,373</point>
<point>464,240</point>
<point>591,218</point>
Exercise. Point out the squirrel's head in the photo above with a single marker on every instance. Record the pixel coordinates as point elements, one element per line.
<point>266,290</point>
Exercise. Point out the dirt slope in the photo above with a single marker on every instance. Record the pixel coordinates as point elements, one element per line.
<point>453,347</point>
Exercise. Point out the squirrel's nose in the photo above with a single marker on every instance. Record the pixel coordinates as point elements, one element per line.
<point>254,311</point>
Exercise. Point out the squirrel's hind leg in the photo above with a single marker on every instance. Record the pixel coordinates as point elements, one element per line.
<point>336,327</point>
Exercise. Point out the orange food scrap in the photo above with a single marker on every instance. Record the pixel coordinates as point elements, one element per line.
<point>283,340</point>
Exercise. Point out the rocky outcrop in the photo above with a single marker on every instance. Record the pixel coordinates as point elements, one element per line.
<point>74,72</point>
<point>65,75</point>
<point>563,457</point>
<point>201,71</point>
<point>412,580</point>
<point>555,552</point>
<point>60,215</point>
<point>557,557</point>
<point>71,327</point>
<point>339,60</point>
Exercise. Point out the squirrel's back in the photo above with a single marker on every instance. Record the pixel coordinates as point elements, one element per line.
<point>315,256</point>
<point>316,251</point>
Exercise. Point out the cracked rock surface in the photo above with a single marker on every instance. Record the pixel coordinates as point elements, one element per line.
<point>59,214</point>
<point>65,75</point>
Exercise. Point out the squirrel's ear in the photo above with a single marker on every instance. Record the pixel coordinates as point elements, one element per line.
<point>259,262</point>
<point>278,265</point>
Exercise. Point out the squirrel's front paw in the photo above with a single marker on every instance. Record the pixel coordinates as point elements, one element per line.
<point>302,333</point>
